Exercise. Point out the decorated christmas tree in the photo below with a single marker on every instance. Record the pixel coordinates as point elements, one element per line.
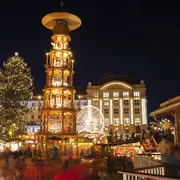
<point>15,90</point>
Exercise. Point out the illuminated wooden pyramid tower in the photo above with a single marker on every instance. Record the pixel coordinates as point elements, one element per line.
<point>58,121</point>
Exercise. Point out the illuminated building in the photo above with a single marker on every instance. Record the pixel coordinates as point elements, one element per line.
<point>58,115</point>
<point>122,101</point>
<point>33,116</point>
<point>80,98</point>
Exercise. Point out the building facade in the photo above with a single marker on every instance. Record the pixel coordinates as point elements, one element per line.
<point>33,116</point>
<point>122,102</point>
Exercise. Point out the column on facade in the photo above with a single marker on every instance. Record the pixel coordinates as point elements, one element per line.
<point>132,111</point>
<point>144,111</point>
<point>89,102</point>
<point>121,111</point>
<point>111,112</point>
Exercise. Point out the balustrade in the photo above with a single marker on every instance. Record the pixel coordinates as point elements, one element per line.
<point>143,176</point>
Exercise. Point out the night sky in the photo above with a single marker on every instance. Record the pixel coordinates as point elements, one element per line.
<point>116,37</point>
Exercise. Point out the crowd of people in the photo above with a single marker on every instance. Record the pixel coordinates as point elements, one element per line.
<point>12,165</point>
<point>170,156</point>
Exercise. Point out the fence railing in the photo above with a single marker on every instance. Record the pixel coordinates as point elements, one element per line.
<point>142,176</point>
<point>146,160</point>
<point>154,170</point>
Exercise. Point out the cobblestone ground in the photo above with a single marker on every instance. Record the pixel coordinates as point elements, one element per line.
<point>48,171</point>
<point>41,171</point>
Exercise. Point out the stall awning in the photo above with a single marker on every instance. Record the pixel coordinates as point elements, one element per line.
<point>168,107</point>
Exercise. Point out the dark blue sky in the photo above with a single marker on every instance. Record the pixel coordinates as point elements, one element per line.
<point>116,37</point>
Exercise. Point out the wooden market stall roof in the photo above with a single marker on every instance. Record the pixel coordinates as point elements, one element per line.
<point>167,107</point>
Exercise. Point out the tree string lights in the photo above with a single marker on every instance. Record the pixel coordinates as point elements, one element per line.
<point>15,90</point>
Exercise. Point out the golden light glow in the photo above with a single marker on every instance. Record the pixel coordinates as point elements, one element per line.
<point>123,84</point>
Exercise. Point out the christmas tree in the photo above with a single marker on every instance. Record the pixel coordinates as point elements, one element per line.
<point>15,90</point>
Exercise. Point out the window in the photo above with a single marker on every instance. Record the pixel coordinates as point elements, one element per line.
<point>115,94</point>
<point>32,116</point>
<point>137,121</point>
<point>116,111</point>
<point>136,94</point>
<point>126,110</point>
<point>126,121</point>
<point>136,102</point>
<point>125,94</point>
<point>116,103</point>
<point>39,116</point>
<point>106,103</point>
<point>106,111</point>
<point>106,121</point>
<point>95,95</point>
<point>96,103</point>
<point>116,121</point>
<point>105,95</point>
<point>137,110</point>
<point>126,102</point>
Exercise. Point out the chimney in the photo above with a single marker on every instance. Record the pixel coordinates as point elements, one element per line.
<point>89,83</point>
<point>142,81</point>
